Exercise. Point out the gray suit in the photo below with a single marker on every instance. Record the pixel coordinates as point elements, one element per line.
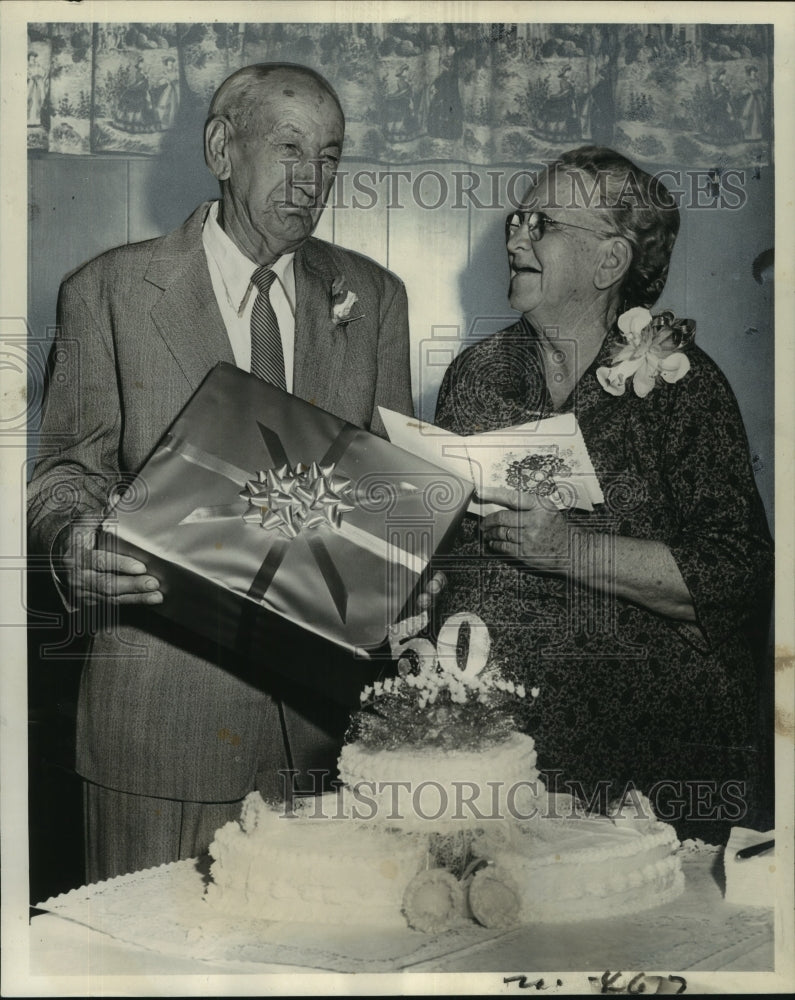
<point>162,714</point>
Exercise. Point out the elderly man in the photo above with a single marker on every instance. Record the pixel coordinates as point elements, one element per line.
<point>172,733</point>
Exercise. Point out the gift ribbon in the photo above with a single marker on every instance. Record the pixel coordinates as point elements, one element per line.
<point>280,545</point>
<point>683,331</point>
<point>292,500</point>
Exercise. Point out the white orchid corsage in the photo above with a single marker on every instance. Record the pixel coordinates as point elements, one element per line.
<point>342,301</point>
<point>653,350</point>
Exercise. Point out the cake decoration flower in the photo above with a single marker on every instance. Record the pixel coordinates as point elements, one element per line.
<point>494,898</point>
<point>434,901</point>
<point>653,349</point>
<point>451,695</point>
<point>632,809</point>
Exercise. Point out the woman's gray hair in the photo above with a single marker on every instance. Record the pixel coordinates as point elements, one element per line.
<point>643,211</point>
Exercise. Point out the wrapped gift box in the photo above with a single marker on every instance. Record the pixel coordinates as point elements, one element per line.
<point>256,499</point>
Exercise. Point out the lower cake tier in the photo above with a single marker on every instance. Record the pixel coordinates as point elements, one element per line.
<point>429,788</point>
<point>582,868</point>
<point>273,867</point>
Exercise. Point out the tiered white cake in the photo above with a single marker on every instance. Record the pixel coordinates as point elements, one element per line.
<point>442,818</point>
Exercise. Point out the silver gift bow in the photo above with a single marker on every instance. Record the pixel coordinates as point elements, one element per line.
<point>289,500</point>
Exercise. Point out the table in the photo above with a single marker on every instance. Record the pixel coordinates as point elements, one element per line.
<point>88,931</point>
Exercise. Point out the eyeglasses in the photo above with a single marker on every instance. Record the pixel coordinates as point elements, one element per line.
<point>537,223</point>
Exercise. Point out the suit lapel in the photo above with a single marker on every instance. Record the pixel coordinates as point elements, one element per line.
<point>319,346</point>
<point>187,314</point>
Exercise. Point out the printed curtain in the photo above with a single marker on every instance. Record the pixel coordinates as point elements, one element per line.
<point>699,94</point>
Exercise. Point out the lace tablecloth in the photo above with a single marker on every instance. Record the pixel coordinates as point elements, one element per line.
<point>162,911</point>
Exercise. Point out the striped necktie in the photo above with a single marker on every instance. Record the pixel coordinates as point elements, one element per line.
<point>267,354</point>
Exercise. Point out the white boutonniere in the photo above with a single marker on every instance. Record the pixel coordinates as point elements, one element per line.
<point>652,350</point>
<point>342,302</point>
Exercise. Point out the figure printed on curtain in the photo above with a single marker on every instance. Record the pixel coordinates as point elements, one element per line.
<point>38,100</point>
<point>445,111</point>
<point>598,113</point>
<point>559,115</point>
<point>36,88</point>
<point>400,120</point>
<point>751,116</point>
<point>725,124</point>
<point>136,86</point>
<point>165,94</point>
<point>134,112</point>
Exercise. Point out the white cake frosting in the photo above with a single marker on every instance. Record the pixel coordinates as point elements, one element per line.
<point>417,787</point>
<point>585,867</point>
<point>273,866</point>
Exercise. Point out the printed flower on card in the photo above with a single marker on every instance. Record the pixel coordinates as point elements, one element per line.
<point>342,302</point>
<point>536,473</point>
<point>652,350</point>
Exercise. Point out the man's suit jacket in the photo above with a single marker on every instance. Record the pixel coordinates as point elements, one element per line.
<point>161,713</point>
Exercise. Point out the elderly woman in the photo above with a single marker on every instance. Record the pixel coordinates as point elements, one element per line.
<point>637,621</point>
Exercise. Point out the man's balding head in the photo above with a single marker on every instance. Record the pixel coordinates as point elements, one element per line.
<point>273,140</point>
<point>242,94</point>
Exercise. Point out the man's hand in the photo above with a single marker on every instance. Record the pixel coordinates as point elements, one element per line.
<point>94,575</point>
<point>433,588</point>
<point>529,530</point>
<point>402,631</point>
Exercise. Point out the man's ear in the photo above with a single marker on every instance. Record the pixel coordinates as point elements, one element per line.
<point>614,261</point>
<point>216,148</point>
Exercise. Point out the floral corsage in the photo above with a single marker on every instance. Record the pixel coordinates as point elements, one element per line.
<point>653,350</point>
<point>342,302</point>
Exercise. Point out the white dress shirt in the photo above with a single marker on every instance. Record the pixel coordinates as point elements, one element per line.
<point>230,273</point>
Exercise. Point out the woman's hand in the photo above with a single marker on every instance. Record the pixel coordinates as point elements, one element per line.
<point>640,570</point>
<point>530,529</point>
